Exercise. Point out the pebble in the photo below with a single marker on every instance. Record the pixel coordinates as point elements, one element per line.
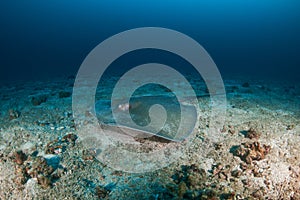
<point>60,128</point>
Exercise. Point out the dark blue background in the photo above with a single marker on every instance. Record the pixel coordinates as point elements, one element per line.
<point>45,39</point>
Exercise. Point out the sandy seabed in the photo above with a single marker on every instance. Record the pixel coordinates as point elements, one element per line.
<point>41,156</point>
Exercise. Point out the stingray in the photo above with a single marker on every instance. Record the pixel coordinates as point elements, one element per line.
<point>179,118</point>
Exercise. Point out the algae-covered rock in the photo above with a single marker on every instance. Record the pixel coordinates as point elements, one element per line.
<point>251,151</point>
<point>64,94</point>
<point>39,99</point>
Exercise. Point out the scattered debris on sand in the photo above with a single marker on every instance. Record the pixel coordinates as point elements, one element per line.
<point>257,157</point>
<point>13,114</point>
<point>252,134</point>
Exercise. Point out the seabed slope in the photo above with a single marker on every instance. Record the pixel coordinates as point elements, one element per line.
<point>258,158</point>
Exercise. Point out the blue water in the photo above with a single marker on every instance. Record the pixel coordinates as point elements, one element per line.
<point>45,39</point>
